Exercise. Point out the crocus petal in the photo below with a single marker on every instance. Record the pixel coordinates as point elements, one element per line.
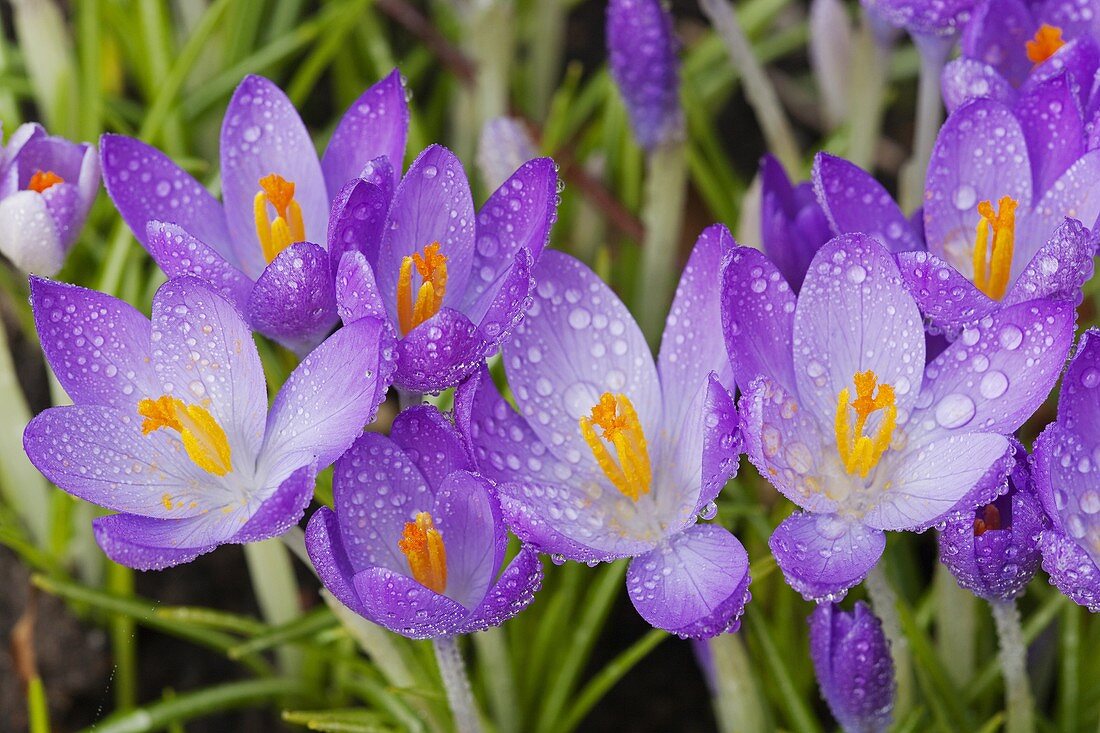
<point>721,441</point>
<point>757,318</point>
<point>263,134</point>
<point>67,211</point>
<point>695,585</point>
<point>997,35</point>
<point>854,315</point>
<point>325,546</point>
<point>517,216</point>
<point>431,441</point>
<point>923,18</point>
<point>509,303</point>
<point>823,555</point>
<point>356,219</point>
<point>203,351</point>
<point>855,202</point>
<point>943,294</point>
<point>96,345</point>
<point>1073,196</point>
<point>1059,269</point>
<point>294,300</point>
<point>325,402</point>
<point>793,225</point>
<point>980,155</point>
<point>376,488</point>
<point>357,293</point>
<point>468,516</point>
<point>143,543</point>
<point>439,353</point>
<point>281,510</point>
<point>179,254</point>
<point>964,80</point>
<point>1054,128</point>
<point>997,373</point>
<point>928,481</point>
<point>577,342</point>
<point>512,592</point>
<point>431,204</point>
<point>405,607</point>
<point>145,185</point>
<point>1071,569</point>
<point>503,146</point>
<point>376,124</point>
<point>28,235</point>
<point>1078,406</point>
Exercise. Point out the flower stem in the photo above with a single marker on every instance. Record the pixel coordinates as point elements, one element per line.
<point>666,186</point>
<point>1013,653</point>
<point>453,671</point>
<point>735,694</point>
<point>955,621</point>
<point>885,602</point>
<point>870,67</point>
<point>276,591</point>
<point>933,55</point>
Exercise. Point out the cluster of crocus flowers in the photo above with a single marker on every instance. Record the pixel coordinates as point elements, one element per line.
<point>47,187</point>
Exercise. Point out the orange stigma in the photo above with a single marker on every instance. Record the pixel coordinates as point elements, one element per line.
<point>203,438</point>
<point>631,474</point>
<point>41,180</point>
<point>422,545</point>
<point>993,263</point>
<point>287,227</point>
<point>1047,41</point>
<point>432,268</point>
<point>990,519</point>
<point>858,452</point>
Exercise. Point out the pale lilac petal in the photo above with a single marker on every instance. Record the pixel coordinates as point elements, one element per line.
<point>357,293</point>
<point>964,80</point>
<point>28,234</point>
<point>823,555</point>
<point>376,124</point>
<point>503,146</point>
<point>431,204</point>
<point>509,303</point>
<point>431,441</point>
<point>722,443</point>
<point>1054,128</point>
<point>143,543</point>
<point>922,18</point>
<point>294,300</point>
<point>854,315</point>
<point>168,194</point>
<point>325,546</point>
<point>1078,403</point>
<point>757,318</point>
<point>400,604</point>
<point>263,134</point>
<point>695,585</point>
<point>855,202</point>
<point>1059,269</point>
<point>178,253</point>
<point>282,510</point>
<point>943,294</point>
<point>997,35</point>
<point>512,592</point>
<point>356,220</point>
<point>440,353</point>
<point>96,345</point>
<point>1073,196</point>
<point>468,516</point>
<point>67,210</point>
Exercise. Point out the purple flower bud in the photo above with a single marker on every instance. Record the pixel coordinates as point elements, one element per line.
<point>921,17</point>
<point>642,50</point>
<point>994,552</point>
<point>852,661</point>
<point>793,226</point>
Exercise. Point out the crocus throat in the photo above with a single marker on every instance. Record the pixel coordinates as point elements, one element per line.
<point>203,438</point>
<point>432,268</point>
<point>1047,41</point>
<point>614,414</point>
<point>41,180</point>
<point>287,227</point>
<point>858,452</point>
<point>993,263</point>
<point>990,519</point>
<point>423,547</point>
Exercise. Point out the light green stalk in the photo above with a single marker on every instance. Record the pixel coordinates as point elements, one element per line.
<point>885,603</point>
<point>869,73</point>
<point>457,684</point>
<point>662,215</point>
<point>40,28</point>
<point>1013,654</point>
<point>956,623</point>
<point>933,56</point>
<point>736,698</point>
<point>546,34</point>
<point>489,41</point>
<point>276,591</point>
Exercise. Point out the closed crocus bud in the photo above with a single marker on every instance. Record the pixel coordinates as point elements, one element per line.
<point>47,186</point>
<point>793,226</point>
<point>852,661</point>
<point>642,51</point>
<point>994,551</point>
<point>504,146</point>
<point>924,18</point>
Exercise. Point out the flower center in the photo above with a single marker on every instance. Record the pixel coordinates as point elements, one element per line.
<point>41,180</point>
<point>1047,41</point>
<point>203,438</point>
<point>423,547</point>
<point>432,268</point>
<point>614,414</point>
<point>989,519</point>
<point>858,452</point>
<point>276,234</point>
<point>993,263</point>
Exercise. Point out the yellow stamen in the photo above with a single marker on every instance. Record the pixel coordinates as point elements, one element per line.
<point>858,452</point>
<point>41,180</point>
<point>287,227</point>
<point>203,438</point>
<point>1047,41</point>
<point>423,547</point>
<point>614,414</point>
<point>432,268</point>
<point>992,269</point>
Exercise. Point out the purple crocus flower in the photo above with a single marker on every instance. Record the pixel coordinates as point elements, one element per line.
<point>47,186</point>
<point>171,427</point>
<point>415,541</point>
<point>854,669</point>
<point>792,223</point>
<point>843,417</point>
<point>642,50</point>
<point>450,283</point>
<point>272,246</point>
<point>924,17</point>
<point>611,457</point>
<point>1065,466</point>
<point>993,551</point>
